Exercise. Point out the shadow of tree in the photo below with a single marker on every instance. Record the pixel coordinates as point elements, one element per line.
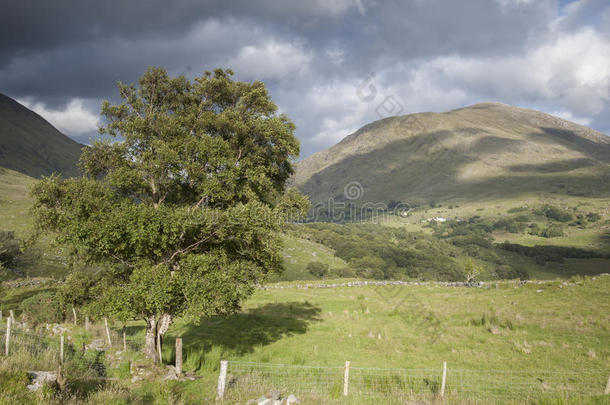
<point>238,333</point>
<point>242,332</point>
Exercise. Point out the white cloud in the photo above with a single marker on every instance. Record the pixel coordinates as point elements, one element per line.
<point>338,7</point>
<point>341,110</point>
<point>271,60</point>
<point>74,120</point>
<point>570,72</point>
<point>566,115</point>
<point>514,3</point>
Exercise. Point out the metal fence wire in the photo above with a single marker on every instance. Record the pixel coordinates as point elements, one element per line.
<point>31,342</point>
<point>377,385</point>
<point>249,378</point>
<point>43,352</point>
<point>525,385</point>
<point>320,384</point>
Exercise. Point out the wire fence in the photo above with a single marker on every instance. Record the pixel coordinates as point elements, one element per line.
<point>47,351</point>
<point>321,384</point>
<point>519,386</point>
<point>377,385</point>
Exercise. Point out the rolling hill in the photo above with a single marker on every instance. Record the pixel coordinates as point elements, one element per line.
<point>487,151</point>
<point>32,146</point>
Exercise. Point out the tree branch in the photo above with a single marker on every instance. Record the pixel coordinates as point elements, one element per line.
<point>122,261</point>
<point>189,248</point>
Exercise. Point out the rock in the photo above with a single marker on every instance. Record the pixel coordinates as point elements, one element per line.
<point>41,377</point>
<point>292,400</point>
<point>136,378</point>
<point>170,376</point>
<point>59,330</point>
<point>96,344</point>
<point>273,395</point>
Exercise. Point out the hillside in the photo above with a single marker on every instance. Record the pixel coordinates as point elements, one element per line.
<point>485,151</point>
<point>32,146</point>
<point>41,258</point>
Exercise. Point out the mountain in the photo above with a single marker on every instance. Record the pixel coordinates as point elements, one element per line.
<point>32,146</point>
<point>485,151</point>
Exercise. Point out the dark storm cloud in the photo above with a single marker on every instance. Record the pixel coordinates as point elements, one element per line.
<point>312,55</point>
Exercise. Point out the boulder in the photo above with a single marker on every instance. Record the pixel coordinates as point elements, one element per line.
<point>292,400</point>
<point>96,344</point>
<point>39,378</point>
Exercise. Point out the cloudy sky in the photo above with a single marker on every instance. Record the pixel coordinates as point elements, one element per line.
<point>331,65</point>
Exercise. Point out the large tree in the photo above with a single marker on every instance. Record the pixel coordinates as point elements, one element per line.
<point>183,208</point>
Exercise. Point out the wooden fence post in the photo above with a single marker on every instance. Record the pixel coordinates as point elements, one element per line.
<point>222,379</point>
<point>8,335</point>
<point>107,331</point>
<point>346,379</point>
<point>0,315</point>
<point>179,356</point>
<point>607,390</point>
<point>74,313</point>
<point>87,323</point>
<point>61,349</point>
<point>159,348</point>
<point>124,340</point>
<point>12,314</point>
<point>444,378</point>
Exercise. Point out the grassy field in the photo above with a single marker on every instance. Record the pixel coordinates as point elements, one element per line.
<point>297,253</point>
<point>42,259</point>
<point>560,327</point>
<point>558,330</point>
<point>14,200</point>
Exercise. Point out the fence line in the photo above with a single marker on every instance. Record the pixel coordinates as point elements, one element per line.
<point>320,383</point>
<point>415,384</point>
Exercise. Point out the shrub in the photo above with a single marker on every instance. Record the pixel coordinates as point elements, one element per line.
<point>9,247</point>
<point>552,232</point>
<point>506,272</point>
<point>41,308</point>
<point>343,272</point>
<point>317,269</point>
<point>593,217</point>
<point>555,213</point>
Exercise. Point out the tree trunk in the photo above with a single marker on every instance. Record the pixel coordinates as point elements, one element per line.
<point>164,323</point>
<point>150,347</point>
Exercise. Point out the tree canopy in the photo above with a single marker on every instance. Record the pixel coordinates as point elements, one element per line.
<point>184,206</point>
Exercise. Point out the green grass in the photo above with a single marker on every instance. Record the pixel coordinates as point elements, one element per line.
<point>297,253</point>
<point>559,326</point>
<point>42,259</point>
<point>554,326</point>
<point>14,200</point>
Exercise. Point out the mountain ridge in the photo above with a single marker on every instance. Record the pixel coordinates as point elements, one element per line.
<point>456,148</point>
<point>29,144</point>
